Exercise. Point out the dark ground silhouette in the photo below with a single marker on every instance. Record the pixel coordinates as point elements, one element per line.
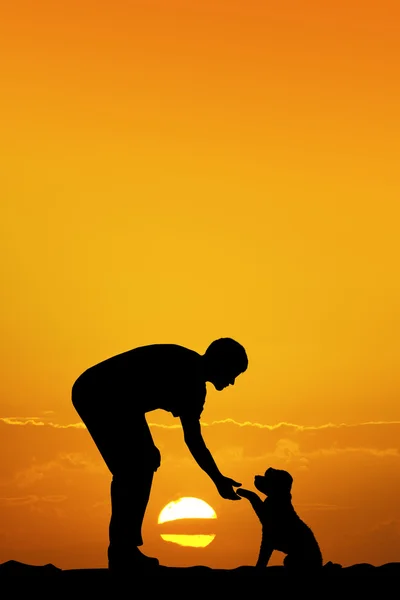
<point>112,399</point>
<point>366,579</point>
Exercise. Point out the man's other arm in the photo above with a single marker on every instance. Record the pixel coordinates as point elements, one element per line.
<point>195,442</point>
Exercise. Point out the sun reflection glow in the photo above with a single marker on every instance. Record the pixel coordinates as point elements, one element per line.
<point>195,541</point>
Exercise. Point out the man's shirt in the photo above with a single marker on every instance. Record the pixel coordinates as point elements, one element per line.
<point>160,376</point>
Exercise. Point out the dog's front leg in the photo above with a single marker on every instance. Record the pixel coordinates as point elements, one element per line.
<point>266,550</point>
<point>255,501</point>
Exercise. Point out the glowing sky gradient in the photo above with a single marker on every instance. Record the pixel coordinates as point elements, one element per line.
<point>177,171</point>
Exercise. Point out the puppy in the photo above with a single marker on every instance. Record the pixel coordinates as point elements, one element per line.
<point>282,528</point>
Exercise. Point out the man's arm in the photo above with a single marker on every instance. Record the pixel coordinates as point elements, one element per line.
<point>194,441</point>
<point>154,453</point>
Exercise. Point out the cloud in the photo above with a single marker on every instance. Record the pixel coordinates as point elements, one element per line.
<point>31,475</point>
<point>21,501</point>
<point>77,460</point>
<point>229,440</point>
<point>38,422</point>
<point>55,498</point>
<point>322,507</point>
<point>371,451</point>
<point>32,499</point>
<point>242,448</point>
<point>63,462</point>
<point>294,426</point>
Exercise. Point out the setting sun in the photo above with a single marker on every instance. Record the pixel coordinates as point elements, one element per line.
<point>187,508</point>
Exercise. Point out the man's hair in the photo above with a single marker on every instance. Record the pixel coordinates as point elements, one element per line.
<point>228,353</point>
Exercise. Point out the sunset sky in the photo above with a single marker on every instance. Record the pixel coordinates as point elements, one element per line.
<point>182,170</point>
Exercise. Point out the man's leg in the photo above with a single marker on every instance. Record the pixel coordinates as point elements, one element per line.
<point>130,492</point>
<point>128,454</point>
<point>132,463</point>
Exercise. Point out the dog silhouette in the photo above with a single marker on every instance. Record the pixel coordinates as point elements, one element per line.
<point>282,528</point>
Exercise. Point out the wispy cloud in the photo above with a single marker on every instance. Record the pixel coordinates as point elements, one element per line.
<point>65,461</point>
<point>54,499</point>
<point>355,450</point>
<point>294,426</point>
<point>41,422</point>
<point>322,507</point>
<point>19,501</point>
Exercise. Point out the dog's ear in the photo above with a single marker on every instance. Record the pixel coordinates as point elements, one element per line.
<point>280,481</point>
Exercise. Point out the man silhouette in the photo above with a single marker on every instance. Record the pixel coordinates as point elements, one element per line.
<point>112,399</point>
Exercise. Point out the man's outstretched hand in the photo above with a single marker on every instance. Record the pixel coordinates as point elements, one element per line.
<point>225,487</point>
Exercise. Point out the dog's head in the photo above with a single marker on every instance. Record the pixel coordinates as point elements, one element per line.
<point>274,482</point>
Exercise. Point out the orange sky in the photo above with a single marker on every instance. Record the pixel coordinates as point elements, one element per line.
<point>180,171</point>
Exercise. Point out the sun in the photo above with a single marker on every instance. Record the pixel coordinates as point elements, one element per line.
<point>187,508</point>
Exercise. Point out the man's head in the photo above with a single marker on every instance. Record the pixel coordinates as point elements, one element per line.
<point>224,359</point>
